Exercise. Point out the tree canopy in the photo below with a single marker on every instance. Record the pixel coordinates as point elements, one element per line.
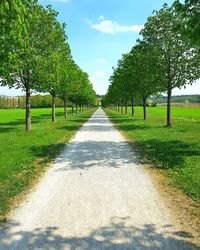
<point>189,15</point>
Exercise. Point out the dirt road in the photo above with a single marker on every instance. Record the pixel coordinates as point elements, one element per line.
<point>95,196</point>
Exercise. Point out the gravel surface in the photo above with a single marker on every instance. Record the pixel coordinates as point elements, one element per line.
<point>94,196</point>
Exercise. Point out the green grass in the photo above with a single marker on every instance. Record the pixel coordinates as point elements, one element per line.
<point>176,150</point>
<point>23,155</point>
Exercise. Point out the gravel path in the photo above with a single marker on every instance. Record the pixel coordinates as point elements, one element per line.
<point>95,196</point>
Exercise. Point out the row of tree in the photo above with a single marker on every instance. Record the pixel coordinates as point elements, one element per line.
<point>8,102</point>
<point>193,99</point>
<point>35,56</point>
<point>37,101</point>
<point>166,57</point>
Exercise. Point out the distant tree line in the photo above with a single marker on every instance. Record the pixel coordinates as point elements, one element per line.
<point>166,57</point>
<point>37,101</point>
<point>8,102</point>
<point>35,56</point>
<point>178,99</point>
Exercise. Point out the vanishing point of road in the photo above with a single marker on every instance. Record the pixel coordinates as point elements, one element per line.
<point>96,195</point>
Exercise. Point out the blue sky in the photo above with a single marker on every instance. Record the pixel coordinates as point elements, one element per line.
<point>99,31</point>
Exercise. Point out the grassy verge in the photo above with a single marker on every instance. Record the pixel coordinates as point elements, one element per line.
<point>175,151</point>
<point>23,155</point>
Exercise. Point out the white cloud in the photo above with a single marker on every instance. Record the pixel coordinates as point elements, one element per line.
<point>112,27</point>
<point>100,73</point>
<point>101,60</point>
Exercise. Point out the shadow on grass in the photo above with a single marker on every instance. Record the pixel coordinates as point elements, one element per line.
<point>168,154</point>
<point>127,124</point>
<point>134,127</point>
<point>119,234</point>
<point>6,129</point>
<point>73,126</point>
<point>123,119</point>
<point>76,119</point>
<point>70,127</point>
<point>46,152</point>
<point>14,125</point>
<point>164,154</point>
<point>35,119</point>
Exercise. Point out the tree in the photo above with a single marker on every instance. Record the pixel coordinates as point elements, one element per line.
<point>12,28</point>
<point>120,89</point>
<point>131,77</point>
<point>189,16</point>
<point>30,54</point>
<point>145,72</point>
<point>178,61</point>
<point>75,78</point>
<point>85,94</point>
<point>66,84</point>
<point>127,88</point>
<point>56,52</point>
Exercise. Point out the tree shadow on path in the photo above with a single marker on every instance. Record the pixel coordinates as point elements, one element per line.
<point>119,234</point>
<point>102,153</point>
<point>88,154</point>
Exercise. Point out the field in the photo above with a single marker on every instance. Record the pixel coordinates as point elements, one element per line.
<point>24,155</point>
<point>181,105</point>
<point>176,151</point>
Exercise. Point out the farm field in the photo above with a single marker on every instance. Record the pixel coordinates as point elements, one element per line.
<point>176,151</point>
<point>23,155</point>
<point>180,105</point>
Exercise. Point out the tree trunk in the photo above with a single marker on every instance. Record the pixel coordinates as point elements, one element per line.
<point>144,108</point>
<point>132,107</point>
<point>122,108</point>
<point>118,106</point>
<point>65,107</point>
<point>126,104</point>
<point>28,109</point>
<point>53,115</point>
<point>72,108</point>
<point>76,108</point>
<point>169,94</point>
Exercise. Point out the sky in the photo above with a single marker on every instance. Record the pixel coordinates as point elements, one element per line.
<point>100,31</point>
